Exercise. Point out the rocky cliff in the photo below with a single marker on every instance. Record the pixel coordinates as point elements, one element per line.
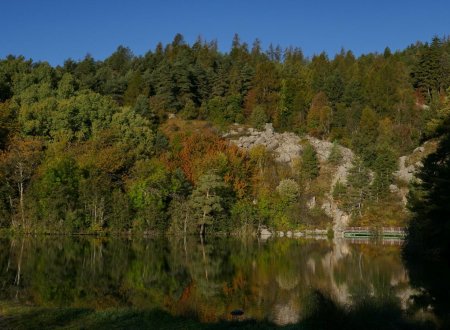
<point>408,166</point>
<point>287,148</point>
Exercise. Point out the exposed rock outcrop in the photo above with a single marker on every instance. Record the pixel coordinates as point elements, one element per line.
<point>405,173</point>
<point>285,146</point>
<point>323,149</point>
<point>408,166</point>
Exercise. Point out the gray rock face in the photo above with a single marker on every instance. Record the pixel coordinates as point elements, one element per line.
<point>323,149</point>
<point>286,146</point>
<point>404,173</point>
<point>340,218</point>
<point>407,173</point>
<point>410,164</point>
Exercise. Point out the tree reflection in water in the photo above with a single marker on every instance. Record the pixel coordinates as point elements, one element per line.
<point>283,281</point>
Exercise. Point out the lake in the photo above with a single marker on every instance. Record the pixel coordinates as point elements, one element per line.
<point>273,280</point>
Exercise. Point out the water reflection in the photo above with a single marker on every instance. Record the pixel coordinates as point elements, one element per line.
<point>270,280</point>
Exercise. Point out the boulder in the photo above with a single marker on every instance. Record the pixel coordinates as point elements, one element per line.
<point>265,233</point>
<point>268,127</point>
<point>393,188</point>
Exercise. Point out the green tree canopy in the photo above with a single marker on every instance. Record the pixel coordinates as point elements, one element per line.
<point>207,200</point>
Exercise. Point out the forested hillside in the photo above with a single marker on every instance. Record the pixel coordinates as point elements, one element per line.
<point>88,146</point>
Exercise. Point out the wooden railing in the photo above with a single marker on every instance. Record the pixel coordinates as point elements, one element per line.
<point>369,231</point>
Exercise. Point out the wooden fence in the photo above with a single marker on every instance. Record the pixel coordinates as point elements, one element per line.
<point>374,232</point>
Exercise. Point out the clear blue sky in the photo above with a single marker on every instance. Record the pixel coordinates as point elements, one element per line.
<point>59,29</point>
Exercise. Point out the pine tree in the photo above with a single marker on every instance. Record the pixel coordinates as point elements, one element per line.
<point>429,74</point>
<point>283,105</point>
<point>220,82</point>
<point>334,87</point>
<point>258,117</point>
<point>358,187</point>
<point>207,200</point>
<point>365,139</point>
<point>134,89</point>
<point>310,164</point>
<point>165,86</point>
<point>384,165</point>
<point>335,155</point>
<point>142,107</point>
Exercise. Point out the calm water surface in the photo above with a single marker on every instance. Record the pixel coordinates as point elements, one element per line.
<point>268,280</point>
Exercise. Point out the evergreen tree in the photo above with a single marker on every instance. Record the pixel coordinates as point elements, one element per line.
<point>358,187</point>
<point>134,89</point>
<point>365,139</point>
<point>220,82</point>
<point>335,156</point>
<point>428,74</point>
<point>284,105</point>
<point>207,200</point>
<point>105,115</point>
<point>165,86</point>
<point>258,117</point>
<point>334,87</point>
<point>309,163</point>
<point>384,165</point>
<point>120,60</point>
<point>320,68</point>
<point>142,108</point>
<point>190,111</point>
<point>429,229</point>
<point>339,192</point>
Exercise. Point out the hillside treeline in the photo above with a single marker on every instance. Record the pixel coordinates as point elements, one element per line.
<point>86,146</point>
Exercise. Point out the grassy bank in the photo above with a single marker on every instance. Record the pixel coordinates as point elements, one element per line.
<point>322,314</point>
